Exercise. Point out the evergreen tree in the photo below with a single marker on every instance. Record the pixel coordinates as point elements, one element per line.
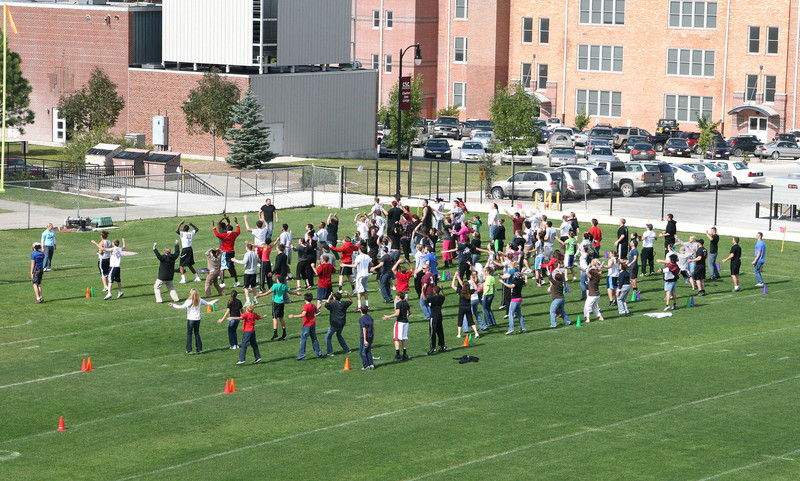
<point>96,105</point>
<point>248,144</point>
<point>18,91</point>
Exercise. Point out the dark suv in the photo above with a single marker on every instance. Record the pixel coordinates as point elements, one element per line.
<point>740,145</point>
<point>623,133</point>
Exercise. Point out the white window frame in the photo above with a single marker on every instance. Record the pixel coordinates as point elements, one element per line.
<point>611,55</point>
<point>690,105</point>
<point>461,4</point>
<point>691,58</point>
<point>387,64</point>
<point>376,19</point>
<point>539,77</point>
<point>751,93</point>
<point>598,103</point>
<point>388,19</point>
<point>463,95</point>
<point>593,12</point>
<point>526,82</point>
<point>750,39</point>
<point>522,37</point>
<point>462,51</point>
<point>547,31</point>
<point>376,61</point>
<point>773,89</point>
<point>692,14</point>
<point>776,43</point>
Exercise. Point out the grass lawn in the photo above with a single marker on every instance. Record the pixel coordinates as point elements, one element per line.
<point>706,393</point>
<point>49,198</point>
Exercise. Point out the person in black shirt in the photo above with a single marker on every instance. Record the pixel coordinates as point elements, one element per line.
<point>427,216</point>
<point>281,263</point>
<point>393,215</point>
<point>713,252</point>
<point>736,262</point>
<point>234,315</point>
<point>401,311</point>
<point>166,271</point>
<point>669,234</point>
<point>338,319</point>
<point>622,240</point>
<point>435,329</point>
<point>333,232</point>
<point>699,275</point>
<point>385,276</point>
<point>500,236</point>
<point>268,214</point>
<point>464,305</point>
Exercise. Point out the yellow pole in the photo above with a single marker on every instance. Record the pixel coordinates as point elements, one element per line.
<point>558,200</point>
<point>536,203</point>
<point>3,143</point>
<point>784,238</point>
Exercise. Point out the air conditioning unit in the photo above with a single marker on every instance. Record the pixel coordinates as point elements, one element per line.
<point>138,140</point>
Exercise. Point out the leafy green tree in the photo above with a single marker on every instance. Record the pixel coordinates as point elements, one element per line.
<point>208,109</point>
<point>96,105</point>
<point>248,144</point>
<point>514,115</point>
<point>451,111</point>
<point>18,91</point>
<point>388,112</point>
<point>708,132</point>
<point>488,162</point>
<point>581,120</point>
<point>78,144</point>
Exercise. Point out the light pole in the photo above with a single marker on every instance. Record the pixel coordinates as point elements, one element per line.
<point>417,61</point>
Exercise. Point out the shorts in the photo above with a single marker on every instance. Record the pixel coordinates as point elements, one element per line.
<point>346,271</point>
<point>612,282</point>
<point>227,257</point>
<point>669,286</point>
<point>569,261</point>
<point>699,272</point>
<point>537,262</point>
<point>103,265</point>
<point>361,285</point>
<point>277,309</point>
<point>400,331</point>
<point>187,257</point>
<point>735,266</point>
<point>37,276</point>
<point>323,293</point>
<point>250,281</point>
<point>634,272</point>
<point>114,276</point>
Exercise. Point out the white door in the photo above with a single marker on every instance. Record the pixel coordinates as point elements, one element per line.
<point>758,127</point>
<point>276,138</point>
<point>59,127</point>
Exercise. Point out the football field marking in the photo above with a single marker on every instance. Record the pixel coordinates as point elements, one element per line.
<point>784,456</point>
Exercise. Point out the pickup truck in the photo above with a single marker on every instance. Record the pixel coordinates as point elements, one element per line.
<point>631,179</point>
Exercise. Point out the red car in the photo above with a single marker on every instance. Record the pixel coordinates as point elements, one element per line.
<point>691,139</point>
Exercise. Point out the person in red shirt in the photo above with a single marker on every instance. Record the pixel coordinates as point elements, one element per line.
<point>228,239</point>
<point>597,235</point>
<point>402,274</point>
<point>249,319</point>
<point>265,270</point>
<point>308,314</point>
<point>347,250</point>
<point>324,283</point>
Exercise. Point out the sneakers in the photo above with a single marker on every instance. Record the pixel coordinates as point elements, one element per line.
<point>239,363</point>
<point>674,306</point>
<point>442,349</point>
<point>197,279</point>
<point>330,354</point>
<point>274,336</point>
<point>120,294</point>
<point>431,352</point>
<point>238,284</point>
<point>222,285</point>
<point>458,335</point>
<point>257,361</point>
<point>701,293</point>
<point>398,357</point>
<point>736,289</point>
<point>319,355</point>
<point>368,368</point>
<point>107,297</point>
<point>405,357</point>
<point>301,357</point>
<point>183,280</point>
<point>508,333</point>
<point>666,309</point>
<point>760,284</point>
<point>255,300</point>
<point>477,335</point>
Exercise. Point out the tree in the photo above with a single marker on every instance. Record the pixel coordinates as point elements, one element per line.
<point>18,91</point>
<point>451,111</point>
<point>488,162</point>
<point>410,117</point>
<point>75,150</point>
<point>514,115</point>
<point>708,131</point>
<point>582,120</point>
<point>249,143</point>
<point>96,105</point>
<point>208,109</point>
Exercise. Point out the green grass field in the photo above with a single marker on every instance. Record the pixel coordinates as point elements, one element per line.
<point>708,393</point>
<point>49,198</point>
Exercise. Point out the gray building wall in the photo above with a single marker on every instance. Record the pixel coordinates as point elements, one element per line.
<point>313,32</point>
<point>322,114</point>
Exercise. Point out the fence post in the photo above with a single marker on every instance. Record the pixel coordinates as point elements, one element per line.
<point>29,204</point>
<point>312,184</point>
<point>273,184</point>
<point>663,198</point>
<point>79,196</point>
<point>716,202</point>
<point>450,183</point>
<point>240,184</point>
<point>177,192</point>
<point>465,181</point>
<point>125,205</point>
<point>341,187</point>
<point>225,206</point>
<point>410,176</point>
<point>771,191</point>
<point>611,199</point>
<point>430,177</point>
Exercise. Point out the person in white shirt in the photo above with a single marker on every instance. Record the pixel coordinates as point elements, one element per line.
<point>380,223</point>
<point>187,254</point>
<point>250,262</point>
<point>285,239</point>
<point>648,236</point>
<point>438,213</point>
<point>377,208</point>
<point>361,226</point>
<point>192,306</point>
<point>362,264</point>
<point>494,216</point>
<point>115,261</point>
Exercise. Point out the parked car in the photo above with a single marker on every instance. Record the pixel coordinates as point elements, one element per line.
<point>573,186</point>
<point>485,125</point>
<point>386,151</point>
<point>594,143</point>
<point>623,133</point>
<point>778,149</point>
<point>447,127</point>
<point>718,150</point>
<point>666,176</point>
<point>17,166</point>
<point>691,139</point>
<point>687,177</point>
<point>596,179</point>
<point>786,137</point>
<point>562,156</point>
<point>643,152</point>
<point>631,178</point>
<point>633,140</point>
<point>422,133</point>
<point>604,133</point>
<point>437,149</point>
<point>665,126</point>
<point>743,143</point>
<point>714,173</point>
<point>471,151</point>
<point>596,154</point>
<point>580,138</point>
<point>483,137</point>
<point>554,122</point>
<point>559,139</point>
<point>677,147</point>
<point>742,174</point>
<point>528,183</point>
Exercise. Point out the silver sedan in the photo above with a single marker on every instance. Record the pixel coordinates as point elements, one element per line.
<point>778,149</point>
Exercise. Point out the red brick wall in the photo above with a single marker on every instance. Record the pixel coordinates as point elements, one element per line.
<point>60,47</point>
<point>163,92</point>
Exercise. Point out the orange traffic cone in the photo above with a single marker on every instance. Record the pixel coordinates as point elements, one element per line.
<point>61,424</point>
<point>88,293</point>
<point>83,366</point>
<point>89,365</point>
<point>466,341</point>
<point>227,386</point>
<point>208,308</point>
<point>347,364</point>
<point>233,386</point>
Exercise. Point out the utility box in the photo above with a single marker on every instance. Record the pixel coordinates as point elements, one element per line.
<point>161,132</point>
<point>137,139</point>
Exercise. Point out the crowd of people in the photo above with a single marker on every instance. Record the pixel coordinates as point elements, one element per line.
<point>411,253</point>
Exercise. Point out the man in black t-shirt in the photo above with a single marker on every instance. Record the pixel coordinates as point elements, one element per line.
<point>736,262</point>
<point>436,301</point>
<point>713,251</point>
<point>332,227</point>
<point>268,214</point>
<point>699,275</point>
<point>669,233</point>
<point>338,319</point>
<point>401,311</point>
<point>393,215</point>
<point>385,276</point>
<point>622,240</point>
